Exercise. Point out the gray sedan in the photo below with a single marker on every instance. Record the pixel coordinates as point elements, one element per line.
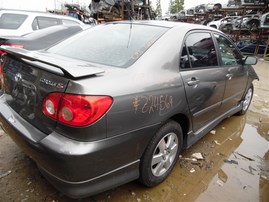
<point>119,102</point>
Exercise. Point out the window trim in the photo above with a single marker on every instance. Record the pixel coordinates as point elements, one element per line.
<point>37,18</point>
<point>184,45</point>
<point>218,48</point>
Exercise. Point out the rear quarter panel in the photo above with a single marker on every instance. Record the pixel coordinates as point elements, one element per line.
<point>145,94</point>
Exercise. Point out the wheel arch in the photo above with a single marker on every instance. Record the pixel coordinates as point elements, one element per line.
<point>184,122</point>
<point>256,21</point>
<point>218,5</point>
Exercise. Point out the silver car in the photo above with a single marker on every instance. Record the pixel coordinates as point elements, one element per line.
<point>120,101</point>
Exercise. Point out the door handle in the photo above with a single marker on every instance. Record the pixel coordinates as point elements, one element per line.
<point>229,76</point>
<point>193,82</point>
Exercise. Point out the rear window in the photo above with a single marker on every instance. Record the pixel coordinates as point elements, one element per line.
<point>44,22</point>
<point>11,21</point>
<point>53,33</point>
<point>69,22</point>
<point>117,45</point>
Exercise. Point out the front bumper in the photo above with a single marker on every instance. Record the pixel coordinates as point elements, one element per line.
<point>78,169</point>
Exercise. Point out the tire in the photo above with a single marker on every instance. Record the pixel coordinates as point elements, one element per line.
<point>246,101</point>
<point>253,26</point>
<point>161,154</point>
<point>227,28</point>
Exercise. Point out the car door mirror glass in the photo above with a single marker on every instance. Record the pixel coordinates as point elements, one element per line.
<point>250,60</point>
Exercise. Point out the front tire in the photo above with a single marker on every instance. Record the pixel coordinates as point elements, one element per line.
<point>161,154</point>
<point>246,101</point>
<point>253,25</point>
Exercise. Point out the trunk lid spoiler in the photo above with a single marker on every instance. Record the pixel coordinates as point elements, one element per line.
<point>60,65</point>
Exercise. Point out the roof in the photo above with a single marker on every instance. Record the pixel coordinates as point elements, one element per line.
<point>168,24</point>
<point>36,13</point>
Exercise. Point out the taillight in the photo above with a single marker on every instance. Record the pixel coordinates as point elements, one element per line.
<point>76,110</point>
<point>11,45</point>
<point>1,74</point>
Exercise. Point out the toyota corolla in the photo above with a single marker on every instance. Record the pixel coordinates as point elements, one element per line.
<point>119,102</point>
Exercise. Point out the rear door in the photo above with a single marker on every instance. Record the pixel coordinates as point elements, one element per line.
<point>204,80</point>
<point>236,74</point>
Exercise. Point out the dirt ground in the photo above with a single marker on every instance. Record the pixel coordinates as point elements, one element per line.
<point>235,165</point>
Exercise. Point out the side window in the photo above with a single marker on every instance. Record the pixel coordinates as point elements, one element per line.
<point>44,22</point>
<point>11,21</point>
<point>228,52</point>
<point>184,59</point>
<point>201,50</point>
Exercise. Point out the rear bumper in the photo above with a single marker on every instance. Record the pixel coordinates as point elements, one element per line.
<point>96,185</point>
<point>78,169</point>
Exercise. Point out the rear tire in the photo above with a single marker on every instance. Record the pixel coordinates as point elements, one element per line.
<point>227,29</point>
<point>161,154</point>
<point>246,101</point>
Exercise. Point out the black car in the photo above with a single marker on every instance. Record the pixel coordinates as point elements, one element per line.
<point>41,39</point>
<point>250,45</point>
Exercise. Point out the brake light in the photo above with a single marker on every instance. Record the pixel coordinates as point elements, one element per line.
<point>76,110</point>
<point>1,75</point>
<point>11,45</point>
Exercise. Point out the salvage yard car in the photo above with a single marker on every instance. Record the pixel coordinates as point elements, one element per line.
<point>18,23</point>
<point>41,39</point>
<point>216,5</point>
<point>99,110</point>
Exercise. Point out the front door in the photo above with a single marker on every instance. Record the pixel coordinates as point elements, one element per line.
<point>204,80</point>
<point>236,73</point>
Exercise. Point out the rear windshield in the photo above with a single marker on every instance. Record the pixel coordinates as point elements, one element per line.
<point>11,21</point>
<point>117,45</point>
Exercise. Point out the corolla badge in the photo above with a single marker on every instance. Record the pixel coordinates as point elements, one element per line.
<point>52,83</point>
<point>18,77</point>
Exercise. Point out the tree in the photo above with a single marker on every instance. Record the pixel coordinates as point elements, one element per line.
<point>175,6</point>
<point>158,10</point>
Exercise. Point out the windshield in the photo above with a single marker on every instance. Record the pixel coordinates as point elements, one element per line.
<point>117,45</point>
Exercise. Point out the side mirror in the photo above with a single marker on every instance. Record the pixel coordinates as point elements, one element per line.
<point>250,60</point>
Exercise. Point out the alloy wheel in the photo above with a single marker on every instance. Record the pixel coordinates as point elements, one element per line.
<point>164,154</point>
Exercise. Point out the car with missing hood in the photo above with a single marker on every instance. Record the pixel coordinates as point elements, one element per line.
<point>99,110</point>
<point>219,24</point>
<point>247,22</point>
<point>216,5</point>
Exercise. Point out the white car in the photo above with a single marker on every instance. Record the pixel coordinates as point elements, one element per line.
<point>253,2</point>
<point>18,23</point>
<point>216,24</point>
<point>216,5</point>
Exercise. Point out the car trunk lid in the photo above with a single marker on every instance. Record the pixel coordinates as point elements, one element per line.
<point>30,77</point>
